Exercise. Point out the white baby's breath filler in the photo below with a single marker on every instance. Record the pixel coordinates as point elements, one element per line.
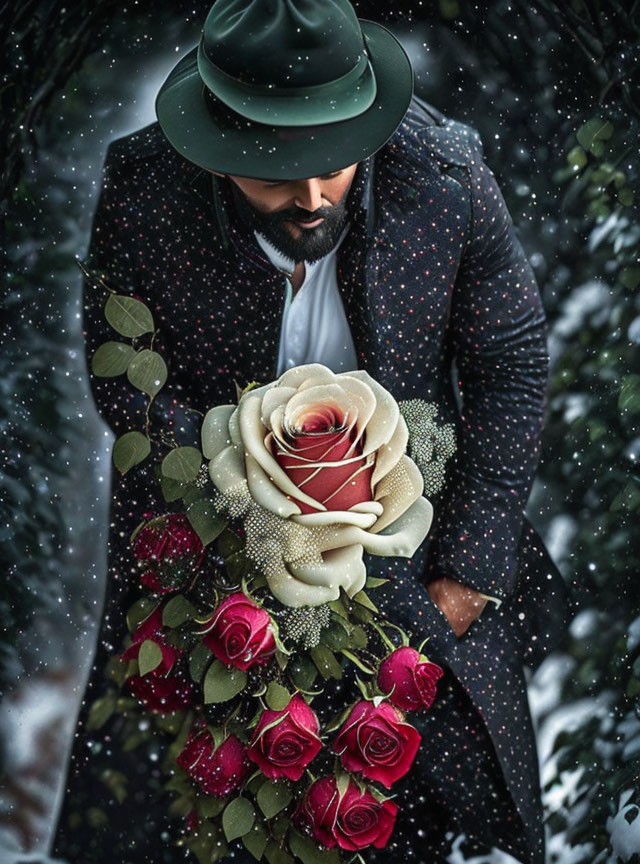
<point>431,444</point>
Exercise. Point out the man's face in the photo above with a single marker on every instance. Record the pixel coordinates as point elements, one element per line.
<point>303,219</point>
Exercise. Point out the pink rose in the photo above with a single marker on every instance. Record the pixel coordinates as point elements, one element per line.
<point>414,676</point>
<point>171,550</point>
<point>240,633</point>
<point>161,690</point>
<point>353,822</point>
<point>217,770</point>
<point>284,742</point>
<point>377,742</point>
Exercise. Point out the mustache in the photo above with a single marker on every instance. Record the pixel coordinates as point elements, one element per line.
<point>305,215</point>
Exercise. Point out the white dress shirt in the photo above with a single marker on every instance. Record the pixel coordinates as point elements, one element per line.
<point>314,324</point>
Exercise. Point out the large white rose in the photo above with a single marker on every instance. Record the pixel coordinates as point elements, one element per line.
<point>315,463</point>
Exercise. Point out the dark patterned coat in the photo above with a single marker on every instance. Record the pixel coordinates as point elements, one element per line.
<point>443,306</point>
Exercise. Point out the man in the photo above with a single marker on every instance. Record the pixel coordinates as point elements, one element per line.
<point>292,162</point>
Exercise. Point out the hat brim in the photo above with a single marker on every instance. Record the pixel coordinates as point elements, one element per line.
<point>205,131</point>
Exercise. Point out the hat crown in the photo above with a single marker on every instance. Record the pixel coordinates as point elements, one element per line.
<point>283,43</point>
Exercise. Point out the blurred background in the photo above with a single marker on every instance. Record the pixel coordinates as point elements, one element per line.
<point>553,89</point>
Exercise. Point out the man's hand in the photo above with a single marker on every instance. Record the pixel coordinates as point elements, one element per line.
<point>460,603</point>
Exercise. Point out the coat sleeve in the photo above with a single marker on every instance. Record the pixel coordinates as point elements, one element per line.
<point>499,335</point>
<point>113,259</point>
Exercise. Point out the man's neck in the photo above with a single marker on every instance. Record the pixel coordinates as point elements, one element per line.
<point>297,277</point>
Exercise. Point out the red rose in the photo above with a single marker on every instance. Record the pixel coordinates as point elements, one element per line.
<point>284,742</point>
<point>377,742</point>
<point>353,822</point>
<point>192,821</point>
<point>325,437</point>
<point>217,770</point>
<point>239,633</point>
<point>158,690</point>
<point>415,679</point>
<point>171,549</point>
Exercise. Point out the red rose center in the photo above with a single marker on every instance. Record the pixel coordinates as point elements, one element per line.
<point>359,818</point>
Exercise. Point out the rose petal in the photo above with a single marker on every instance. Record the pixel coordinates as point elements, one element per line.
<point>382,424</point>
<point>374,507</point>
<point>265,493</point>
<point>253,435</point>
<point>227,468</point>
<point>294,593</point>
<point>215,430</point>
<point>397,492</point>
<point>348,395</point>
<point>390,453</point>
<point>331,517</point>
<point>300,376</point>
<point>343,567</point>
<point>401,538</point>
<point>274,399</point>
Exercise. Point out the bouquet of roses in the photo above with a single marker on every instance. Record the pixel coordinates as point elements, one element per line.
<point>256,647</point>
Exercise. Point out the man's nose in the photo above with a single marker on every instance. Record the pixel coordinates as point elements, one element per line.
<point>309,194</point>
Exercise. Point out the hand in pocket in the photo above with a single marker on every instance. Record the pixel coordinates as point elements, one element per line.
<point>460,604</point>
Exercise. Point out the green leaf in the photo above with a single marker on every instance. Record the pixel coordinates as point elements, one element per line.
<point>629,398</point>
<point>172,489</point>
<point>130,449</point>
<point>111,359</point>
<point>309,851</point>
<point>177,611</point>
<point>335,636</point>
<point>222,682</point>
<point>303,672</point>
<point>139,612</point>
<point>277,696</point>
<point>593,133</point>
<point>191,494</point>
<point>576,157</point>
<point>237,566</point>
<point>256,840</point>
<point>182,464</point>
<point>275,855</point>
<point>326,662</point>
<point>101,710</point>
<point>238,818</point>
<point>147,371</point>
<point>128,316</point>
<point>209,807</point>
<point>273,797</point>
<point>205,521</point>
<point>228,543</point>
<point>359,637</point>
<point>198,661</point>
<point>364,600</point>
<point>149,656</point>
<point>625,196</point>
<point>375,581</point>
<point>339,608</point>
<point>630,277</point>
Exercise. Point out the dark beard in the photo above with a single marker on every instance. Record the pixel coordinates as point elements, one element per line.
<point>313,243</point>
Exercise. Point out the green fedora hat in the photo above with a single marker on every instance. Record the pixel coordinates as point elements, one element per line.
<point>285,89</point>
